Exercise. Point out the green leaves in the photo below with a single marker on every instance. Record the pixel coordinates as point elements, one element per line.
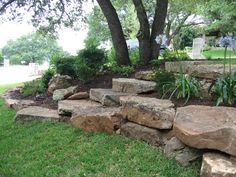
<point>31,48</point>
<point>224,88</point>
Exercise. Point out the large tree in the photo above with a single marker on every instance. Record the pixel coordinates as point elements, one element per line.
<point>31,48</point>
<point>148,46</point>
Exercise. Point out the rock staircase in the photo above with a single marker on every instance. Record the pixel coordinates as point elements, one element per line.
<point>184,134</point>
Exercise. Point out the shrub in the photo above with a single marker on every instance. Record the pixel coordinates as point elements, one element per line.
<point>155,62</point>
<point>224,88</point>
<point>134,55</point>
<point>32,88</point>
<point>85,73</point>
<point>65,66</point>
<point>175,54</point>
<point>164,80</point>
<point>92,57</point>
<point>47,77</point>
<point>124,70</point>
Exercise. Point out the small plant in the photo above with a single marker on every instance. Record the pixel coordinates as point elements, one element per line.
<point>47,77</point>
<point>224,88</point>
<point>33,88</point>
<point>164,80</point>
<point>124,70</point>
<point>184,87</point>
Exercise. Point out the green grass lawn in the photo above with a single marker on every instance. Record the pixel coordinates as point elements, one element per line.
<point>56,149</point>
<point>218,54</point>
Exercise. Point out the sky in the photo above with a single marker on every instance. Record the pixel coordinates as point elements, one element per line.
<point>69,39</point>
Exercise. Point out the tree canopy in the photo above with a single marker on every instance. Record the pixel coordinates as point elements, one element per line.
<point>31,48</point>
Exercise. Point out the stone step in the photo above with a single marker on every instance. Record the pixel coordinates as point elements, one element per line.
<point>214,164</point>
<point>150,112</point>
<point>37,113</point>
<point>98,119</point>
<point>132,85</point>
<point>152,136</point>
<point>69,107</point>
<point>205,127</point>
<point>106,97</point>
<point>19,104</point>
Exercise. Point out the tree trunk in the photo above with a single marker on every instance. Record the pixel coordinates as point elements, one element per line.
<point>118,39</point>
<point>144,33</point>
<point>158,25</point>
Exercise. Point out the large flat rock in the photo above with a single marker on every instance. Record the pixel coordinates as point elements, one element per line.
<point>152,136</point>
<point>106,97</point>
<point>150,112</point>
<point>132,85</point>
<point>19,104</point>
<point>98,119</point>
<point>217,165</point>
<point>61,94</point>
<point>199,69</point>
<point>205,127</point>
<point>37,113</point>
<point>145,75</point>
<point>69,107</point>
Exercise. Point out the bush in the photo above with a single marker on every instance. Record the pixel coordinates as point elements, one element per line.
<point>33,88</point>
<point>164,80</point>
<point>85,73</point>
<point>224,88</point>
<point>134,55</point>
<point>175,54</point>
<point>92,57</point>
<point>155,62</point>
<point>65,66</point>
<point>124,70</point>
<point>47,77</point>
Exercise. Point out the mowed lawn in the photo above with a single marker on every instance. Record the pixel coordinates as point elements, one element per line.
<point>56,149</point>
<point>218,53</point>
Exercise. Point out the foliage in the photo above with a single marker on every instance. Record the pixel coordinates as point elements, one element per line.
<point>97,22</point>
<point>1,57</point>
<point>31,48</point>
<point>92,57</point>
<point>184,87</point>
<point>84,72</point>
<point>155,62</point>
<point>134,55</point>
<point>65,66</point>
<point>33,88</point>
<point>47,77</point>
<point>123,70</point>
<point>175,55</point>
<point>224,88</point>
<point>164,80</point>
<point>219,15</point>
<point>184,38</point>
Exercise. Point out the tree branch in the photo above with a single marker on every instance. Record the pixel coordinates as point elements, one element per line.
<point>5,5</point>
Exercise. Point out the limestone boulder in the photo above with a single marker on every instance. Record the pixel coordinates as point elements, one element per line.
<point>98,120</point>
<point>106,97</point>
<point>19,104</point>
<point>145,75</point>
<point>206,127</point>
<point>37,113</point>
<point>174,148</point>
<point>150,135</point>
<point>69,107</point>
<point>150,112</point>
<point>217,165</point>
<point>132,85</point>
<point>59,82</point>
<point>78,96</point>
<point>62,94</point>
